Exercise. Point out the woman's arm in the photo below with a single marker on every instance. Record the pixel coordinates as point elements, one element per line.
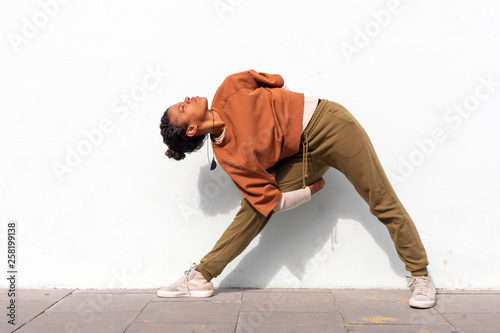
<point>292,199</point>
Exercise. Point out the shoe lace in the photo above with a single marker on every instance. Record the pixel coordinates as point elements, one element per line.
<point>185,278</point>
<point>422,285</point>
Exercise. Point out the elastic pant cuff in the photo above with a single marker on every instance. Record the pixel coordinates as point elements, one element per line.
<point>204,272</point>
<point>420,272</point>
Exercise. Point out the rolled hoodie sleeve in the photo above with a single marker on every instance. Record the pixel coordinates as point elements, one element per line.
<point>267,80</point>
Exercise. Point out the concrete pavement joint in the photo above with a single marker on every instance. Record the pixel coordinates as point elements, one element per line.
<point>138,314</point>
<point>344,324</point>
<point>239,312</point>
<point>445,319</point>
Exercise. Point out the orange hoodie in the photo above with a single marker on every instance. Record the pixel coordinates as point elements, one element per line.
<point>263,125</point>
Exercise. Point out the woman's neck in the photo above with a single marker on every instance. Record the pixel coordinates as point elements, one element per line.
<point>217,124</point>
<point>213,124</point>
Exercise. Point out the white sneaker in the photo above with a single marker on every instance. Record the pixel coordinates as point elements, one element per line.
<point>192,284</point>
<point>424,293</point>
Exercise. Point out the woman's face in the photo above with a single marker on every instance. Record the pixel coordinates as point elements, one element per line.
<point>193,110</point>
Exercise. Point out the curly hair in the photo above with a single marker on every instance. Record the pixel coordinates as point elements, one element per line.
<point>175,137</point>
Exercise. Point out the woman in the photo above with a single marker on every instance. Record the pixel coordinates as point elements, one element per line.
<point>276,145</point>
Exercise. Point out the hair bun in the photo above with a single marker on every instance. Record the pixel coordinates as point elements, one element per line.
<point>175,154</point>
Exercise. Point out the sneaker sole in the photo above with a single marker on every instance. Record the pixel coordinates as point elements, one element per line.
<point>422,304</point>
<point>203,293</point>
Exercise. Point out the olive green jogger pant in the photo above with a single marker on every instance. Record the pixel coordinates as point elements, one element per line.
<point>335,139</point>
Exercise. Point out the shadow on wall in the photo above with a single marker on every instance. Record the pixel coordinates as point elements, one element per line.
<point>294,237</point>
<point>218,195</point>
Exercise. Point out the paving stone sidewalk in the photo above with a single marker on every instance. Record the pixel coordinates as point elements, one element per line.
<point>248,310</point>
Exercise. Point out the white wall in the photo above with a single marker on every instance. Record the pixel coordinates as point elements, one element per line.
<point>113,211</point>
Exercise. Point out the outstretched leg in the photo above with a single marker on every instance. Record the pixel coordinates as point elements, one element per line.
<point>338,140</point>
<point>247,224</point>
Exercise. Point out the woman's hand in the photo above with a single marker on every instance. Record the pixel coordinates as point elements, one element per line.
<point>316,186</point>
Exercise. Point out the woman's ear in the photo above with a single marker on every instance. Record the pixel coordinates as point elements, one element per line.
<point>191,130</point>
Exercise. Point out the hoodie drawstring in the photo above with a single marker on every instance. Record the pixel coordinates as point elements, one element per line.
<point>305,149</point>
